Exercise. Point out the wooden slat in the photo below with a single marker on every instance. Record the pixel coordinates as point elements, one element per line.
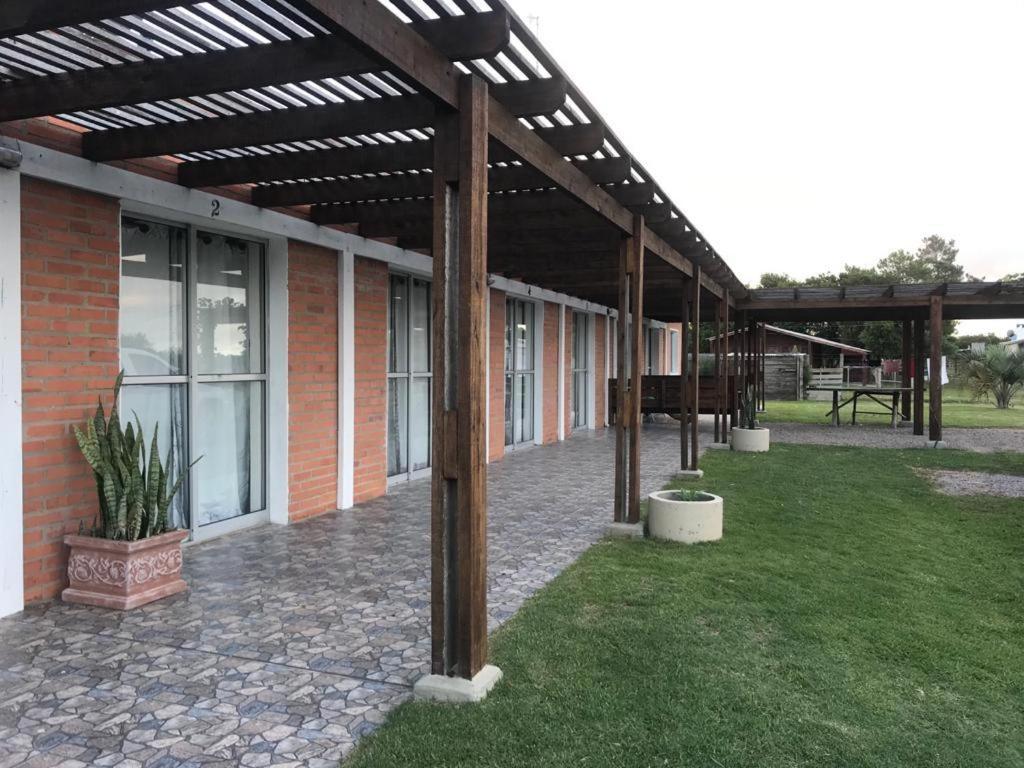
<point>906,362</point>
<point>19,17</point>
<point>472,36</point>
<point>402,156</point>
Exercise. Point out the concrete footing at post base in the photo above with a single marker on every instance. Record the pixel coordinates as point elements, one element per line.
<point>718,446</point>
<point>935,444</point>
<point>457,690</point>
<point>625,530</point>
<point>691,474</point>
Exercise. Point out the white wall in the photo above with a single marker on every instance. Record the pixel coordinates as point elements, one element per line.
<point>346,377</point>
<point>12,584</point>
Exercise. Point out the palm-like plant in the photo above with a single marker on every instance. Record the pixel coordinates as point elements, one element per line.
<point>996,372</point>
<point>134,494</point>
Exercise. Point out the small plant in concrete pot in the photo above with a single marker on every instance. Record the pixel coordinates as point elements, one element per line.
<point>748,436</point>
<point>129,557</point>
<point>685,515</point>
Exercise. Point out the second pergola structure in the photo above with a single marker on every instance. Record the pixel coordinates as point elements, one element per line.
<point>917,307</point>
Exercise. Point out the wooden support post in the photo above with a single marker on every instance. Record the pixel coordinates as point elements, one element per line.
<point>684,375</point>
<point>764,365</point>
<point>905,370</point>
<point>622,388</point>
<point>718,370</point>
<point>636,307</point>
<point>728,393</point>
<point>935,375</point>
<point>459,489</point>
<point>919,376</point>
<point>695,364</point>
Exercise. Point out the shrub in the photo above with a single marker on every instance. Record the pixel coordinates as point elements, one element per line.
<point>996,373</point>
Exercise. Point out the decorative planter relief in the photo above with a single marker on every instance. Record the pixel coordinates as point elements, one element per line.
<point>123,574</point>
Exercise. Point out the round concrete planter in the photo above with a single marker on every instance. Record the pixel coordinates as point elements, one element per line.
<point>687,521</point>
<point>123,574</point>
<point>751,440</point>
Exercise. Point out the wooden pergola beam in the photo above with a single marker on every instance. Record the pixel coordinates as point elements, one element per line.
<point>472,36</point>
<point>568,139</point>
<point>500,179</point>
<point>395,113</point>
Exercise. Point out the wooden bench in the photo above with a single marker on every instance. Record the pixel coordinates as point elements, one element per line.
<point>660,394</point>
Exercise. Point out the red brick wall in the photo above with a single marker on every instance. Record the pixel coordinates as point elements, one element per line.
<point>371,337</point>
<point>599,374</point>
<point>312,380</point>
<point>550,372</point>
<point>496,438</point>
<point>70,275</point>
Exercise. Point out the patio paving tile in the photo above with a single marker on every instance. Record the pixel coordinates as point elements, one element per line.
<point>293,641</point>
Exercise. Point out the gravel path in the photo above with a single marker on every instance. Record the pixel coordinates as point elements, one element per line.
<point>869,436</point>
<point>975,483</point>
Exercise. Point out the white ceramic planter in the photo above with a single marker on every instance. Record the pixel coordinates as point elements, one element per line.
<point>685,521</point>
<point>751,440</point>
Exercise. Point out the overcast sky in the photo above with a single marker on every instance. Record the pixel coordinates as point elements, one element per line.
<point>802,135</point>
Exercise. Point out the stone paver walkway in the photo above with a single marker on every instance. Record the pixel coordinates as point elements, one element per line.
<point>293,641</point>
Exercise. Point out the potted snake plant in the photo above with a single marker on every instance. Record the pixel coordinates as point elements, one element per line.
<point>129,556</point>
<point>748,436</point>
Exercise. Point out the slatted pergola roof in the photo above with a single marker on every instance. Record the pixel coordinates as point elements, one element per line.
<point>289,102</point>
<point>960,301</point>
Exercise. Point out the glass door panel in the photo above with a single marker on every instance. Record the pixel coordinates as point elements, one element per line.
<point>519,371</point>
<point>579,394</point>
<point>229,437</point>
<point>229,297</point>
<point>161,409</point>
<point>409,376</point>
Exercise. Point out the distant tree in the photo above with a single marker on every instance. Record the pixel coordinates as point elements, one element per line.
<point>1014,277</point>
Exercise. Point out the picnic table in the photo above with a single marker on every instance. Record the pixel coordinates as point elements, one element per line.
<point>876,395</point>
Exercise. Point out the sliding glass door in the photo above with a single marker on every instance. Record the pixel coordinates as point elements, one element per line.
<point>580,392</point>
<point>409,377</point>
<point>519,372</point>
<point>192,348</point>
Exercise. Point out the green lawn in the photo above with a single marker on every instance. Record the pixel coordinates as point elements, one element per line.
<point>958,410</point>
<point>850,617</point>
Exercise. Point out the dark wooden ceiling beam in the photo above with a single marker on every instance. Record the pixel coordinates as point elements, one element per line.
<point>500,179</point>
<point>393,113</point>
<point>571,140</point>
<point>19,17</point>
<point>472,36</point>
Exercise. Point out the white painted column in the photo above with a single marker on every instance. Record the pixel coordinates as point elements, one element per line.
<point>591,370</point>
<point>561,371</point>
<point>12,567</point>
<point>346,377</point>
<point>538,372</point>
<point>277,380</point>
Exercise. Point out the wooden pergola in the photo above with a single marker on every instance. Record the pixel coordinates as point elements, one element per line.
<point>443,126</point>
<point>916,306</point>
